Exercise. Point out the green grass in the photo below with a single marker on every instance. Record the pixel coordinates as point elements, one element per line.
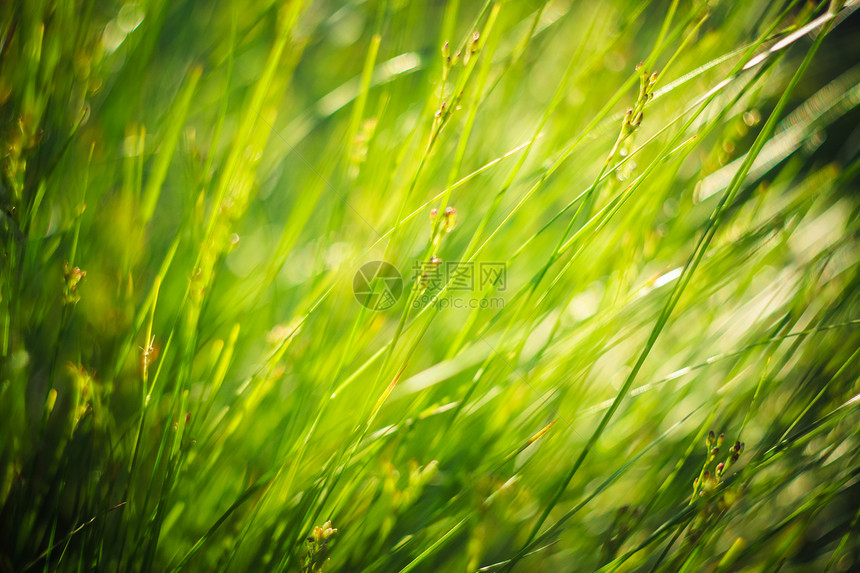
<point>187,381</point>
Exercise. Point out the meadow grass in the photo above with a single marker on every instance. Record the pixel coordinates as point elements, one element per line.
<point>654,366</point>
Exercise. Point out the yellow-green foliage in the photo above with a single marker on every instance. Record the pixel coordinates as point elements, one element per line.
<point>656,199</point>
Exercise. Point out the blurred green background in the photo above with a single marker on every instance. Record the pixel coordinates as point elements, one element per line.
<point>188,382</point>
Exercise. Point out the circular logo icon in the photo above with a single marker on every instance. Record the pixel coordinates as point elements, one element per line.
<point>377,285</point>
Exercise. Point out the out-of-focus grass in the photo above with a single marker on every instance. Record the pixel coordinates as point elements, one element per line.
<point>187,381</point>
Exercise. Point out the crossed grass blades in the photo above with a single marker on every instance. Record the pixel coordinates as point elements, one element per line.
<point>187,381</point>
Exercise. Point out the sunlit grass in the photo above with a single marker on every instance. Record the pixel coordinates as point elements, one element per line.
<point>664,377</point>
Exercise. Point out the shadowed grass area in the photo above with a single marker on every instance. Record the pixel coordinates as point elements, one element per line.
<point>617,329</point>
